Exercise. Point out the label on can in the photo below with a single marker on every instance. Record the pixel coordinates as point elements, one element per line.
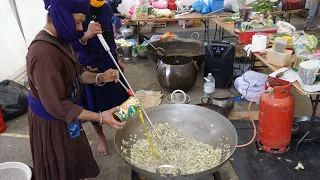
<point>128,109</point>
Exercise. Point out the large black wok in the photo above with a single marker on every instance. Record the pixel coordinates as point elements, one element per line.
<point>178,47</point>
<point>201,123</point>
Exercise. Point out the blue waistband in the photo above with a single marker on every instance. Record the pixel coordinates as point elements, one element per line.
<point>37,107</point>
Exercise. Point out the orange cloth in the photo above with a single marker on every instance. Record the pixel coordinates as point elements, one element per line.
<point>96,3</point>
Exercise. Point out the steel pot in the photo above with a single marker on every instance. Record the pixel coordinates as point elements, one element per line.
<point>224,102</point>
<point>177,72</point>
<point>202,124</point>
<point>127,32</point>
<point>142,54</point>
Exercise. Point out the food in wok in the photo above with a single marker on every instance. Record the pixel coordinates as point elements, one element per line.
<point>178,150</point>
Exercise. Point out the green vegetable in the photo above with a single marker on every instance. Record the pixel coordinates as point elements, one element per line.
<point>141,48</point>
<point>261,6</point>
<point>227,19</point>
<point>150,11</point>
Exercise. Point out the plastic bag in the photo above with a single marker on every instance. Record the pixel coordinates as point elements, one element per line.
<point>250,84</point>
<point>13,99</point>
<point>233,5</point>
<point>141,9</point>
<point>304,42</point>
<point>160,4</point>
<point>206,10</point>
<point>199,5</point>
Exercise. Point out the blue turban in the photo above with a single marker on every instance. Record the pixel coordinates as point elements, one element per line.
<point>61,12</point>
<point>116,1</point>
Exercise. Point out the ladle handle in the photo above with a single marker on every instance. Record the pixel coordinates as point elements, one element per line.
<point>178,90</point>
<point>196,34</point>
<point>168,175</point>
<point>195,63</point>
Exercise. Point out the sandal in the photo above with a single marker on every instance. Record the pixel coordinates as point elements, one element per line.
<point>312,29</point>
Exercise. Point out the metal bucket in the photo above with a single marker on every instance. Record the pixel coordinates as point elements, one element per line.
<point>126,52</point>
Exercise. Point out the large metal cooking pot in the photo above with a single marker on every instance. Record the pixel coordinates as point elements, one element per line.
<point>178,47</point>
<point>177,72</point>
<point>194,121</point>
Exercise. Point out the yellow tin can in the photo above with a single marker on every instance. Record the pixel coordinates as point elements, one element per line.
<point>127,109</point>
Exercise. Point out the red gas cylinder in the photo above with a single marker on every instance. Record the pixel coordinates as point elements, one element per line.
<point>275,117</point>
<point>2,124</point>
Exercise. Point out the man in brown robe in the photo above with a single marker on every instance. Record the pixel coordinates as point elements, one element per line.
<point>60,149</point>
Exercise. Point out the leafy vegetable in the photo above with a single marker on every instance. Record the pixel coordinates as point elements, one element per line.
<point>227,19</point>
<point>141,48</point>
<point>261,6</point>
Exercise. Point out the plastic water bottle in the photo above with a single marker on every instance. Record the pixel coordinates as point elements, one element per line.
<point>209,85</point>
<point>210,77</point>
<point>280,6</point>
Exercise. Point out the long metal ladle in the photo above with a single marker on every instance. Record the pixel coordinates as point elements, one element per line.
<point>156,49</point>
<point>107,48</point>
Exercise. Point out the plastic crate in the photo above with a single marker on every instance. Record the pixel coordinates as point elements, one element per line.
<point>246,37</point>
<point>288,5</point>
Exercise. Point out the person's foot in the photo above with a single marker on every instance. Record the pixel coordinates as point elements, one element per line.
<point>312,28</point>
<point>102,146</point>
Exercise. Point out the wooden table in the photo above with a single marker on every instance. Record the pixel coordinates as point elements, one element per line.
<point>314,102</point>
<point>223,27</point>
<point>192,16</point>
<point>229,26</point>
<point>282,14</point>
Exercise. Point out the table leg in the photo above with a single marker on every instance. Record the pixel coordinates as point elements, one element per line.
<point>208,33</point>
<point>134,175</point>
<point>215,32</point>
<point>138,29</point>
<point>314,104</point>
<point>289,18</point>
<point>206,29</point>
<point>217,176</point>
<point>222,34</point>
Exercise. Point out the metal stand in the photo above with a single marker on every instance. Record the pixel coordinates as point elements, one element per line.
<point>135,175</point>
<point>314,103</point>
<point>217,176</point>
<point>282,17</point>
<point>140,26</point>
<point>254,59</point>
<point>206,23</point>
<point>221,32</point>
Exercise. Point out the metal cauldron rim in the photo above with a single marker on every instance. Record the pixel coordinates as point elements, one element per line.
<point>196,106</point>
<point>176,40</point>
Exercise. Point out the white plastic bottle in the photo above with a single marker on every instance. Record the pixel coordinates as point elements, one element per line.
<point>209,85</point>
<point>280,6</point>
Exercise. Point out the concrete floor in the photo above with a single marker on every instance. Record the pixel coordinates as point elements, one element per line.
<point>142,76</point>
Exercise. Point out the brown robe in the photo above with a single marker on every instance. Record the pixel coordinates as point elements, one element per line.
<point>56,156</point>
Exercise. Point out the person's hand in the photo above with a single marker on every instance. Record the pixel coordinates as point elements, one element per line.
<point>108,119</point>
<point>109,75</point>
<point>121,65</point>
<point>128,17</point>
<point>93,29</point>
